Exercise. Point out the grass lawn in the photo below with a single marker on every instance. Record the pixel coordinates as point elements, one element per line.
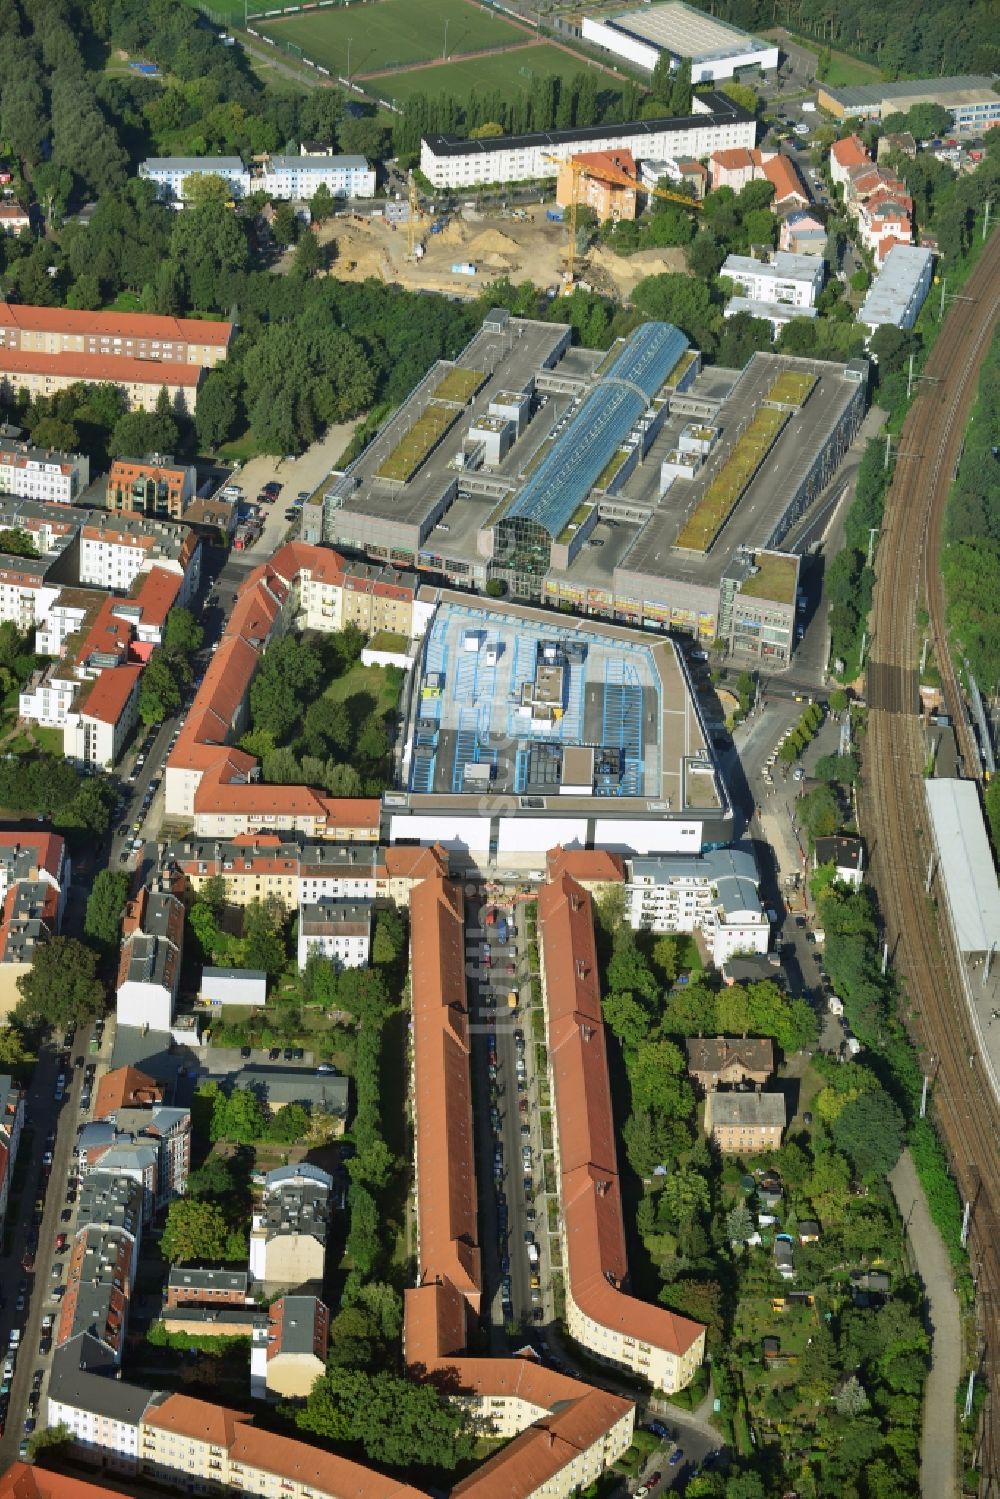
<point>371,680</point>
<point>49,740</point>
<point>510,72</point>
<point>224,12</point>
<point>241,449</point>
<point>392,33</point>
<point>844,71</point>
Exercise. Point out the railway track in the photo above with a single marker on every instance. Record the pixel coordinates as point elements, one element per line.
<point>908,574</point>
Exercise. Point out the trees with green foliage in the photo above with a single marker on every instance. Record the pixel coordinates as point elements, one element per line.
<point>16,542</point>
<point>182,634</point>
<point>396,1421</point>
<point>819,813</point>
<point>194,1230</point>
<point>159,690</point>
<point>61,988</point>
<point>105,905</point>
<point>869,1130</point>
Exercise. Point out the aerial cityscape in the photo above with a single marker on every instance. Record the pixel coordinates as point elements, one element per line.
<point>499,811</point>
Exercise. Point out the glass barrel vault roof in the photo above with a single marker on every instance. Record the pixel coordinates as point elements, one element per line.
<point>580,454</point>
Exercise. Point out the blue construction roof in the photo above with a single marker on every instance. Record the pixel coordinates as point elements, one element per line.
<point>579,456</point>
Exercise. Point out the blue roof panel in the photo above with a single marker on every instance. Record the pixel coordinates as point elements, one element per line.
<point>578,457</point>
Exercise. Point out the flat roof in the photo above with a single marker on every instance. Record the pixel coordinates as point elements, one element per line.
<point>962,88</point>
<point>510,359</point>
<point>751,525</point>
<point>713,109</point>
<point>966,871</point>
<point>625,692</point>
<point>891,293</point>
<point>686,32</point>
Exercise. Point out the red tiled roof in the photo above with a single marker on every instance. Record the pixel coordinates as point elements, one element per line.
<point>110,694</point>
<point>408,863</point>
<point>126,1088</point>
<point>787,183</point>
<point>48,848</point>
<point>733,159</point>
<point>201,1419</point>
<point>445,1147</point>
<point>591,1190</point>
<point>613,161</point>
<point>114,324</point>
<point>120,369</point>
<point>157,595</point>
<point>850,152</point>
<point>24,1481</point>
<point>590,864</point>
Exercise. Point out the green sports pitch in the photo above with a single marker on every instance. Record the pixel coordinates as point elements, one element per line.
<point>389,33</point>
<point>510,72</point>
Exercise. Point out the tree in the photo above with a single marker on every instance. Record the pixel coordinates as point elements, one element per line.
<point>14,1053</point>
<point>263,943</point>
<point>818,812</point>
<point>240,1117</point>
<point>15,542</point>
<point>869,1130</point>
<point>218,410</point>
<point>61,988</point>
<point>206,188</point>
<point>138,432</point>
<point>850,1399</point>
<point>397,1421</point>
<point>655,1076</point>
<point>194,1230</point>
<point>342,780</point>
<point>625,1017</point>
<point>53,432</point>
<point>680,91</point>
<point>496,588</point>
<point>739,1223</point>
<point>683,1195</point>
<point>213,1180</point>
<point>105,904</point>
<point>183,634</point>
<point>838,769</point>
<point>389,940</point>
<point>159,693</point>
<point>321,204</point>
<point>285,225</point>
<point>666,957</point>
<point>309,255</point>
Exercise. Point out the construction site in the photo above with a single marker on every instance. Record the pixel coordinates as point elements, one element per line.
<point>521,244</point>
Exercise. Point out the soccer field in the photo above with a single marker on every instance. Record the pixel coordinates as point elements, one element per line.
<point>390,33</point>
<point>512,72</point>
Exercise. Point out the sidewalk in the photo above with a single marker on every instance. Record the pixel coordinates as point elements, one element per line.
<point>938,1444</point>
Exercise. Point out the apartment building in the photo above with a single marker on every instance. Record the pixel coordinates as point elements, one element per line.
<point>151,1145</point>
<point>11,1124</point>
<point>847,855</point>
<point>744,1123</point>
<point>563,1433</point>
<point>100,1274</point>
<point>845,156</point>
<point>593,179</point>
<point>659,1346</point>
<point>280,177</point>
<point>101,1412</point>
<point>26,590</point>
<point>14,219</point>
<point>26,1481</point>
<point>714,895</point>
<point>338,930</point>
<point>736,168</point>
<point>290,1226</point>
<point>116,548</point>
<point>121,335</point>
<point>285,867</point>
<point>802,234</point>
<point>790,280</point>
<point>35,876</point>
<point>728,1061</point>
<point>150,965</point>
<point>97,725</point>
<point>28,856</point>
<point>289,1355</point>
<point>900,289</point>
<point>716,123</point>
<point>43,474</point>
<point>154,486</point>
<point>139,380</point>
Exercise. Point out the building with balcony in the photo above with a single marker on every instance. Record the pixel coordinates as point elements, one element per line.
<point>154,485</point>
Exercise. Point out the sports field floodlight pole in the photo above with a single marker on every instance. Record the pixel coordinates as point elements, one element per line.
<point>444,55</point>
<point>349,40</point>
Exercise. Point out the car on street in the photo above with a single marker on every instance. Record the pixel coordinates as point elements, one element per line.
<point>677,1456</point>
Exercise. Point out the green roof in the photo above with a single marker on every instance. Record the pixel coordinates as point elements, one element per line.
<point>774,579</point>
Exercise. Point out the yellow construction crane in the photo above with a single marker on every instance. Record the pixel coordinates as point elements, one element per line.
<point>606,174</point>
<point>411,222</point>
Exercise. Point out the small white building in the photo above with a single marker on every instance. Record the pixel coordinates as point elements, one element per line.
<point>339,930</point>
<point>232,986</point>
<point>716,50</point>
<point>847,855</point>
<point>714,894</point>
<point>792,280</point>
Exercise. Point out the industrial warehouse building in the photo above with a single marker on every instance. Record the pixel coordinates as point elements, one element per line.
<point>630,486</point>
<point>969,99</point>
<point>716,50</point>
<point>716,123</point>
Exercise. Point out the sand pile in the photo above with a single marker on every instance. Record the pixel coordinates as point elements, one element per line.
<point>492,242</point>
<point>453,233</point>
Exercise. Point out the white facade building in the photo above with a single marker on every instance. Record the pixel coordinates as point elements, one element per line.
<point>232,986</point>
<point>791,280</point>
<point>48,699</point>
<point>775,313</point>
<point>282,177</point>
<point>717,50</point>
<point>714,894</point>
<point>25,596</point>
<point>42,474</point>
<point>339,930</point>
<point>900,288</point>
<point>716,124</point>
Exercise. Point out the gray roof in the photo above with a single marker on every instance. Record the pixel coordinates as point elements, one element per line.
<point>110,1200</point>
<point>281,1085</point>
<point>891,294</point>
<point>218,1316</point>
<point>301,1207</point>
<point>733,872</point>
<point>285,1175</point>
<point>328,917</point>
<point>298,1324</point>
<point>575,460</point>
<point>83,1376</point>
<point>214,1278</point>
<point>781,311</point>
<point>845,853</point>
<point>191,164</point>
<point>255,975</point>
<point>320,163</point>
<point>966,872</point>
<point>731,1110</point>
<point>936,90</point>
